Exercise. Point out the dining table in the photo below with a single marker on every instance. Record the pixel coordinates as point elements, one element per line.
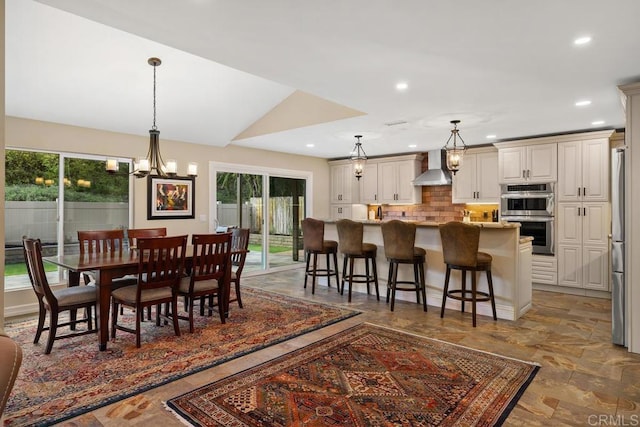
<point>112,265</point>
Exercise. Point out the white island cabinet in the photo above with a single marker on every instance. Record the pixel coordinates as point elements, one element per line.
<point>511,266</point>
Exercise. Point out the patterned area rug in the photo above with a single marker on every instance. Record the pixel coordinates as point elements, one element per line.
<point>365,376</point>
<point>76,378</point>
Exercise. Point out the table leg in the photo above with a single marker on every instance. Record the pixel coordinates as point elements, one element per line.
<point>103,288</point>
<point>74,280</point>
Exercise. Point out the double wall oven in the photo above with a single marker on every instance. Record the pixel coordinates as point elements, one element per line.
<point>532,205</point>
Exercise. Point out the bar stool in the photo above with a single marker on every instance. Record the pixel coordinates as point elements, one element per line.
<point>460,250</point>
<point>350,235</point>
<point>314,244</point>
<point>399,247</point>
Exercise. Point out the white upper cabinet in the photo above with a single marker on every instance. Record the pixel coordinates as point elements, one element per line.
<point>528,163</point>
<point>344,185</point>
<point>477,179</point>
<point>369,184</point>
<point>583,172</point>
<point>395,181</point>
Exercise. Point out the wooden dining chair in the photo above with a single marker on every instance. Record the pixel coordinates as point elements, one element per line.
<point>160,268</point>
<point>133,234</point>
<point>56,301</point>
<point>239,250</point>
<point>209,276</point>
<point>102,241</point>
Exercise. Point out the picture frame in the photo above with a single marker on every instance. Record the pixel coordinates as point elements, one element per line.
<point>170,198</point>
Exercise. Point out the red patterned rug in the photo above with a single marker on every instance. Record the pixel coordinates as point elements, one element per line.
<point>76,378</point>
<point>365,376</point>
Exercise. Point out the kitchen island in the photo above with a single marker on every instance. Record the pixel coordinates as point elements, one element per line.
<point>511,266</point>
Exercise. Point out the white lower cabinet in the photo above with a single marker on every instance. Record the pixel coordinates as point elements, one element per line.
<point>583,246</point>
<point>544,269</point>
<point>340,211</point>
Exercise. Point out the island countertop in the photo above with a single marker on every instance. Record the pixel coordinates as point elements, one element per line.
<point>503,224</point>
<point>511,261</point>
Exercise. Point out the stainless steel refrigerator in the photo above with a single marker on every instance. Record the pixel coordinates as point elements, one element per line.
<point>618,304</point>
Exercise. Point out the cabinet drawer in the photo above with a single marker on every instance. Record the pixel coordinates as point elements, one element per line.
<point>544,270</point>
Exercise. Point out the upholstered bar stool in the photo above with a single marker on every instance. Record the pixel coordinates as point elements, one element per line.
<point>350,235</point>
<point>399,248</point>
<point>314,244</point>
<point>460,250</point>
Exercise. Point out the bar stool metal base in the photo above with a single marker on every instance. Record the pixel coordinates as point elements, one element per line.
<point>418,285</point>
<point>321,272</point>
<point>367,278</point>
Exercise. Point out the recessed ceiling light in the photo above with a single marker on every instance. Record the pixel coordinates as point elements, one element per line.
<point>413,145</point>
<point>583,103</point>
<point>582,40</point>
<point>310,145</point>
<point>402,86</point>
<point>491,136</point>
<point>597,122</point>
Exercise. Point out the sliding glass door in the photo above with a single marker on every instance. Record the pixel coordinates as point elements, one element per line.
<point>51,196</point>
<point>272,204</point>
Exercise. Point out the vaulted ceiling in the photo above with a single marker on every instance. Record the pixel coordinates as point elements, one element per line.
<point>286,74</point>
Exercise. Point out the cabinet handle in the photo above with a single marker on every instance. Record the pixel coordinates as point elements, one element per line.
<point>375,197</point>
<point>578,211</point>
<point>524,173</point>
<point>584,211</point>
<point>584,191</point>
<point>578,191</point>
<point>528,173</point>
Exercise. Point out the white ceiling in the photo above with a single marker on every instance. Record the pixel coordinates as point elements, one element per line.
<point>282,74</point>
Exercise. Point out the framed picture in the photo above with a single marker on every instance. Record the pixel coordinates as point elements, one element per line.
<point>170,198</point>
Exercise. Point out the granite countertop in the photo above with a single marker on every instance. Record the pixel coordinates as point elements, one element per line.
<point>499,225</point>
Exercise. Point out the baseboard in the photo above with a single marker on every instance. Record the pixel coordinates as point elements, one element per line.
<point>572,291</point>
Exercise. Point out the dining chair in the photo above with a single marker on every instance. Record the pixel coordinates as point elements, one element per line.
<point>160,268</point>
<point>101,241</point>
<point>134,234</point>
<point>239,250</point>
<point>56,301</point>
<point>209,276</point>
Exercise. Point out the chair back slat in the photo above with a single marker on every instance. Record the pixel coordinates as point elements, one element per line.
<point>97,241</point>
<point>161,261</point>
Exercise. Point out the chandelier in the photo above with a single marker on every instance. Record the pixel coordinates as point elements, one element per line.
<point>454,153</point>
<point>358,158</point>
<point>153,164</point>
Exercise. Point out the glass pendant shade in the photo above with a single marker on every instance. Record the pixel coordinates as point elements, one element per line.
<point>358,158</point>
<point>455,152</point>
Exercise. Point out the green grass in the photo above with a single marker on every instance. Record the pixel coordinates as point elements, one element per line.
<point>272,249</point>
<point>21,268</point>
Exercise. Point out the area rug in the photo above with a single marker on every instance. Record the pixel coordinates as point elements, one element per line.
<point>76,378</point>
<point>364,376</point>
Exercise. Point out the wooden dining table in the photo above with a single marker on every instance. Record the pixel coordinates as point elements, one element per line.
<point>111,265</point>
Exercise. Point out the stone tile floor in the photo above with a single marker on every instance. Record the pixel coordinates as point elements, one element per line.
<point>584,380</point>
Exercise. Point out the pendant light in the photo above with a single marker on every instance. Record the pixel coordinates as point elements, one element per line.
<point>455,153</point>
<point>153,164</point>
<point>358,158</point>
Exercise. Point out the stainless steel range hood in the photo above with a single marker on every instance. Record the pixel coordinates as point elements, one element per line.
<point>437,174</point>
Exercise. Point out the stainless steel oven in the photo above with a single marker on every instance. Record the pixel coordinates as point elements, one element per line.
<point>540,228</point>
<point>532,205</point>
<point>527,199</point>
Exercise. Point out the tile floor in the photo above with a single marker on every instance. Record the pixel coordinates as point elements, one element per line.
<point>584,379</point>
